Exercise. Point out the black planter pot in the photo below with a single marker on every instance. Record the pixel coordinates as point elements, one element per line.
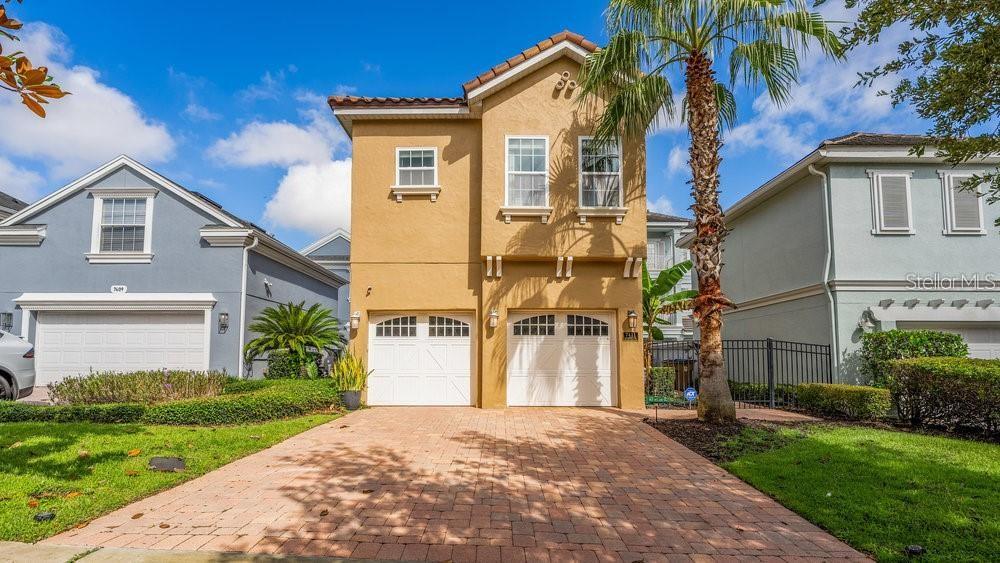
<point>351,399</point>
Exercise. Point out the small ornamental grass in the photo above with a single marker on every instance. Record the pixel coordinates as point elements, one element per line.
<point>349,373</point>
<point>145,387</point>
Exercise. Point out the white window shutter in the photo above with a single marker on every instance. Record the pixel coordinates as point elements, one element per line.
<point>895,205</point>
<point>965,205</point>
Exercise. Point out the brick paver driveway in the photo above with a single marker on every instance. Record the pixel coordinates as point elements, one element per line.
<point>467,484</point>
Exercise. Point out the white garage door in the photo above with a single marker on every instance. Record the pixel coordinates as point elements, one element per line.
<point>560,359</point>
<point>420,359</point>
<point>78,343</point>
<point>983,338</point>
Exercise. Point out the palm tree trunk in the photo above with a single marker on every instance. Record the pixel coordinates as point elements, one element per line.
<point>715,403</point>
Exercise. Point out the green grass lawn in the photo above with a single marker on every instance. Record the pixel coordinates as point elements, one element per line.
<point>881,490</point>
<point>83,470</point>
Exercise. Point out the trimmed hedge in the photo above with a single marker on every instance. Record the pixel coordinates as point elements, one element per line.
<point>949,392</point>
<point>880,348</point>
<point>660,381</point>
<point>283,365</point>
<point>856,402</point>
<point>759,392</point>
<point>242,402</point>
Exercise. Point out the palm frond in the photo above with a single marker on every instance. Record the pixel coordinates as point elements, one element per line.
<point>676,306</point>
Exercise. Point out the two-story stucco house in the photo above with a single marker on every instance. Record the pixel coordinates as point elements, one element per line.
<point>496,250</point>
<point>663,231</point>
<point>861,235</point>
<point>333,252</point>
<point>124,270</point>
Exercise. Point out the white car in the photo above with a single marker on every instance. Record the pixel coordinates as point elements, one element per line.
<point>17,367</point>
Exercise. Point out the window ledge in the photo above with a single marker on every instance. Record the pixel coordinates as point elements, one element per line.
<point>399,191</point>
<point>617,212</point>
<point>969,233</point>
<point>894,233</point>
<point>515,211</point>
<point>119,258</point>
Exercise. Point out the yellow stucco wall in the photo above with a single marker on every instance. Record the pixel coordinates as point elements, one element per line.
<point>428,256</point>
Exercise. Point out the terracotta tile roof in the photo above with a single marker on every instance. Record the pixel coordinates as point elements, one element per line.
<point>877,139</point>
<point>528,53</point>
<point>365,101</point>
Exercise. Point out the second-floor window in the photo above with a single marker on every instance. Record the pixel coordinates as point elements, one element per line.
<point>891,209</point>
<point>123,225</point>
<point>527,171</point>
<point>416,167</point>
<point>600,173</point>
<point>656,255</point>
<point>963,209</point>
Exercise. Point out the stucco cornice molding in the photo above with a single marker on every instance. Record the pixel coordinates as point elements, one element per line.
<point>399,192</point>
<point>28,235</point>
<point>618,213</point>
<point>225,236</point>
<point>935,314</point>
<point>119,257</point>
<point>116,301</point>
<point>123,192</point>
<point>911,285</point>
<point>509,212</point>
<point>790,295</point>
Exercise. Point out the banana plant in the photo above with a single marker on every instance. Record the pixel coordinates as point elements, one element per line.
<point>659,297</point>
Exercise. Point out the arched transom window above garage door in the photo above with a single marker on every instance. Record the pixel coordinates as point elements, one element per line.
<point>398,326</point>
<point>581,325</point>
<point>539,325</point>
<point>446,326</point>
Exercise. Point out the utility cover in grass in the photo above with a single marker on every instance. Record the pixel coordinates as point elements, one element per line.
<point>167,464</point>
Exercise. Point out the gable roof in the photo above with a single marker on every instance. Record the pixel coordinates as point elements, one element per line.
<point>122,161</point>
<point>228,220</point>
<point>346,108</point>
<point>337,233</point>
<point>653,217</point>
<point>861,139</point>
<point>11,202</point>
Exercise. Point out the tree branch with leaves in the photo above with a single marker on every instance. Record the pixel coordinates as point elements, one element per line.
<point>659,297</point>
<point>19,76</point>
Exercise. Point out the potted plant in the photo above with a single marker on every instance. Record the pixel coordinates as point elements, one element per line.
<point>350,376</point>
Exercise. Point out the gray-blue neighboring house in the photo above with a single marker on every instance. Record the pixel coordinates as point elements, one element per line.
<point>860,235</point>
<point>662,233</point>
<point>124,269</point>
<point>333,252</point>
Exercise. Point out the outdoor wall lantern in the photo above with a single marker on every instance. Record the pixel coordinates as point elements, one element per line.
<point>633,319</point>
<point>223,323</point>
<point>355,320</point>
<point>494,318</point>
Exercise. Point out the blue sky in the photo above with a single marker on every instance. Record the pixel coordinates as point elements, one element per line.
<point>228,98</point>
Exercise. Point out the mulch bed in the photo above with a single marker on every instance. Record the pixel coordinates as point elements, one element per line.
<point>707,439</point>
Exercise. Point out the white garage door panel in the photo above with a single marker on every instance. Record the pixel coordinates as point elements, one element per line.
<point>551,367</point>
<point>420,369</point>
<point>983,338</point>
<point>78,343</point>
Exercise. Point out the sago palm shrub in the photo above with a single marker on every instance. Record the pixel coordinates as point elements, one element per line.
<point>292,328</point>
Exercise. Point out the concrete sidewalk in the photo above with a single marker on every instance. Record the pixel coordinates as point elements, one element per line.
<point>13,552</point>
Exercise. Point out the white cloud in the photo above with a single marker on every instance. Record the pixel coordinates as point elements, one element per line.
<point>661,205</point>
<point>91,126</point>
<point>314,197</point>
<point>19,182</point>
<point>278,143</point>
<point>677,160</point>
<point>826,102</point>
<point>197,112</point>
<point>269,87</point>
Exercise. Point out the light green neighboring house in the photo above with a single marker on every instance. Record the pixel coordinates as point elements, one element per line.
<point>858,236</point>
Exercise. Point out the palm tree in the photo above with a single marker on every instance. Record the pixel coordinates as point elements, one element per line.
<point>762,41</point>
<point>294,328</point>
<point>659,298</point>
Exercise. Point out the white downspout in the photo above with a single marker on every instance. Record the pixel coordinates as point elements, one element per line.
<point>243,303</point>
<point>828,226</point>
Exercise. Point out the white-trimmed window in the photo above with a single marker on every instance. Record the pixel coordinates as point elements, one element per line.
<point>892,211</point>
<point>416,166</point>
<point>7,322</point>
<point>600,173</point>
<point>123,222</point>
<point>656,254</point>
<point>399,326</point>
<point>580,325</point>
<point>527,172</point>
<point>963,209</point>
<point>539,325</point>
<point>447,327</point>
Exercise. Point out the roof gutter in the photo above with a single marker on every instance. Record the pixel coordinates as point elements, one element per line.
<point>827,266</point>
<point>243,303</point>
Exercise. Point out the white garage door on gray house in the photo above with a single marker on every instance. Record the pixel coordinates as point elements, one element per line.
<point>125,270</point>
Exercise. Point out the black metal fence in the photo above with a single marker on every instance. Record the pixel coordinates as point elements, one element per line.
<point>762,373</point>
